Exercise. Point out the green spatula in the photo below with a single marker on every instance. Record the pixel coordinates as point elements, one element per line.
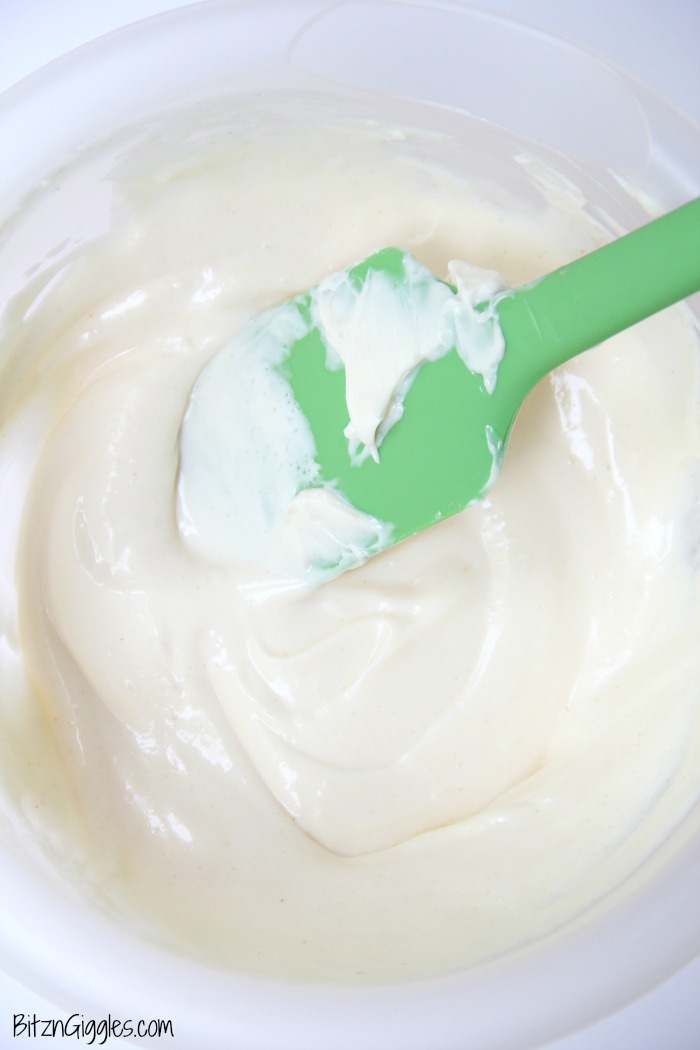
<point>445,450</point>
<point>397,391</point>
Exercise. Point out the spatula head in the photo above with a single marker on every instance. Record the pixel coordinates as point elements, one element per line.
<point>371,393</point>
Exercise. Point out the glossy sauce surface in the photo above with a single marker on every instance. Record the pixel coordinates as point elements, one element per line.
<point>424,762</point>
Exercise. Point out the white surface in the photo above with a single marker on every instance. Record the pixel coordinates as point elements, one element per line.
<point>657,42</point>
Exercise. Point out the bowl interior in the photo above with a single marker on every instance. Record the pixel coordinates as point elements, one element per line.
<point>643,152</point>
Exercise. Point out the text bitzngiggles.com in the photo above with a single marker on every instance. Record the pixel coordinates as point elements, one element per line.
<point>88,1031</point>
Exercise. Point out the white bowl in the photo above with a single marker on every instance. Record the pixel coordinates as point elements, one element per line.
<point>50,939</point>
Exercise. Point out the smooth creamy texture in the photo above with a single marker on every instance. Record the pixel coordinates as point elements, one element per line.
<point>424,762</point>
<point>384,331</point>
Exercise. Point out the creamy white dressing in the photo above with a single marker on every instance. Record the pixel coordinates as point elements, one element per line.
<point>384,330</point>
<point>424,762</point>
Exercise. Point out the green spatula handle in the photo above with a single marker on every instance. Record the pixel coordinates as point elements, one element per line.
<point>581,304</point>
